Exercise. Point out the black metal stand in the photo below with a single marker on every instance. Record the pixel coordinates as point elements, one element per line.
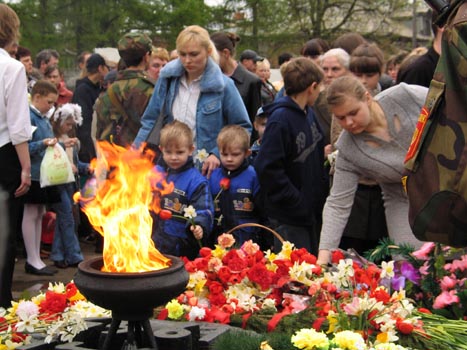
<point>137,332</point>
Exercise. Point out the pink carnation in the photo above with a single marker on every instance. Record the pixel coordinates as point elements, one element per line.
<point>226,240</point>
<point>448,283</point>
<point>445,299</point>
<point>424,251</point>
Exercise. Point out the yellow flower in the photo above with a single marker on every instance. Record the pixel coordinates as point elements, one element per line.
<point>175,309</point>
<point>333,322</point>
<point>309,339</point>
<point>287,249</point>
<point>265,346</point>
<point>348,340</point>
<point>219,252</point>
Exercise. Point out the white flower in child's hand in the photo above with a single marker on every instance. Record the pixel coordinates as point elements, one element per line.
<point>201,155</point>
<point>190,212</point>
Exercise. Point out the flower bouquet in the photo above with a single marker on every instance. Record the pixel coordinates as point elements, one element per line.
<point>435,276</point>
<point>57,314</point>
<point>288,292</point>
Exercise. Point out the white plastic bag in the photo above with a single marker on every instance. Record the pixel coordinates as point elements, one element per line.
<point>55,167</point>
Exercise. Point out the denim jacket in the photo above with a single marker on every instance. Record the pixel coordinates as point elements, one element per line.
<point>36,144</point>
<point>219,104</point>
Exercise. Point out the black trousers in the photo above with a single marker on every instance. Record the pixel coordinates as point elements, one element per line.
<point>10,179</point>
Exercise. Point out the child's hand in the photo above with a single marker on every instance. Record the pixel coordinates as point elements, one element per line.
<point>70,142</point>
<point>197,231</point>
<point>50,141</point>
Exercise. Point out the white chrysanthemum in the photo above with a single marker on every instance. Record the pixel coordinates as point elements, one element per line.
<point>196,314</point>
<point>388,346</point>
<point>26,309</point>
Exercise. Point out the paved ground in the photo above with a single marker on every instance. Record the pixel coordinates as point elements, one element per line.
<point>25,284</point>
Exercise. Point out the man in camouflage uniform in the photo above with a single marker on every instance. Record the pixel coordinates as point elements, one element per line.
<point>120,108</point>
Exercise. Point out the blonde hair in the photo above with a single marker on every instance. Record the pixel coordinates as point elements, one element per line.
<point>197,34</point>
<point>161,53</point>
<point>233,135</point>
<point>9,25</point>
<point>263,64</point>
<point>176,132</point>
<point>343,88</point>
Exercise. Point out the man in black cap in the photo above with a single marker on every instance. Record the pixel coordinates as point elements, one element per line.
<point>248,59</point>
<point>85,95</point>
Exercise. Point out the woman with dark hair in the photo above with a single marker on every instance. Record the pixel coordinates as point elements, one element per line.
<point>247,83</point>
<point>15,131</point>
<point>314,48</point>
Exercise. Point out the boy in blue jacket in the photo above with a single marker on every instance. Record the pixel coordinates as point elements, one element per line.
<point>290,162</point>
<point>177,236</point>
<point>235,186</point>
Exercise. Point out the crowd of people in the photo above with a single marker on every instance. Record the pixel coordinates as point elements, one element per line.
<point>317,156</point>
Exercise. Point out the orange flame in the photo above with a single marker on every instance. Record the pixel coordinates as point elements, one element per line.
<point>119,211</point>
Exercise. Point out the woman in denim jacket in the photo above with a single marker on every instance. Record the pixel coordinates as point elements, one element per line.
<point>193,89</point>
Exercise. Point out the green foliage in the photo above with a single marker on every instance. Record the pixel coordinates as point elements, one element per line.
<point>237,339</point>
<point>386,249</point>
<point>270,27</point>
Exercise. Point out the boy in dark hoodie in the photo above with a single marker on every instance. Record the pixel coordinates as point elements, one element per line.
<point>290,162</point>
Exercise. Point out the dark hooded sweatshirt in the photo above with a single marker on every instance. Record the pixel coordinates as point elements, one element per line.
<point>290,164</point>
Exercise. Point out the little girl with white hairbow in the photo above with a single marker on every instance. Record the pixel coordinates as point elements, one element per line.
<point>66,251</point>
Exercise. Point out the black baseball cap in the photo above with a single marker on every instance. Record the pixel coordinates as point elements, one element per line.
<point>250,55</point>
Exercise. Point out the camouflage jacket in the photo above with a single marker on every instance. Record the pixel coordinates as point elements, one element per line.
<point>133,89</point>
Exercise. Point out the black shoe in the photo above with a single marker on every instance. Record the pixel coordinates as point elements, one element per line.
<point>61,264</point>
<point>74,264</point>
<point>45,271</point>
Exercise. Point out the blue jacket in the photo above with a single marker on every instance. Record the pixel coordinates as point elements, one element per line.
<point>191,188</point>
<point>219,104</point>
<point>290,164</point>
<point>237,204</point>
<point>36,144</point>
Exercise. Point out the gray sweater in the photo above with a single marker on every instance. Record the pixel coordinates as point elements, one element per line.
<point>382,161</point>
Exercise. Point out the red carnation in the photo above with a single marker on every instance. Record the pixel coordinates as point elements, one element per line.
<point>259,274</point>
<point>53,303</point>
<point>224,274</point>
<point>381,295</point>
<point>217,299</point>
<point>71,290</point>
<point>215,287</point>
<point>337,255</point>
